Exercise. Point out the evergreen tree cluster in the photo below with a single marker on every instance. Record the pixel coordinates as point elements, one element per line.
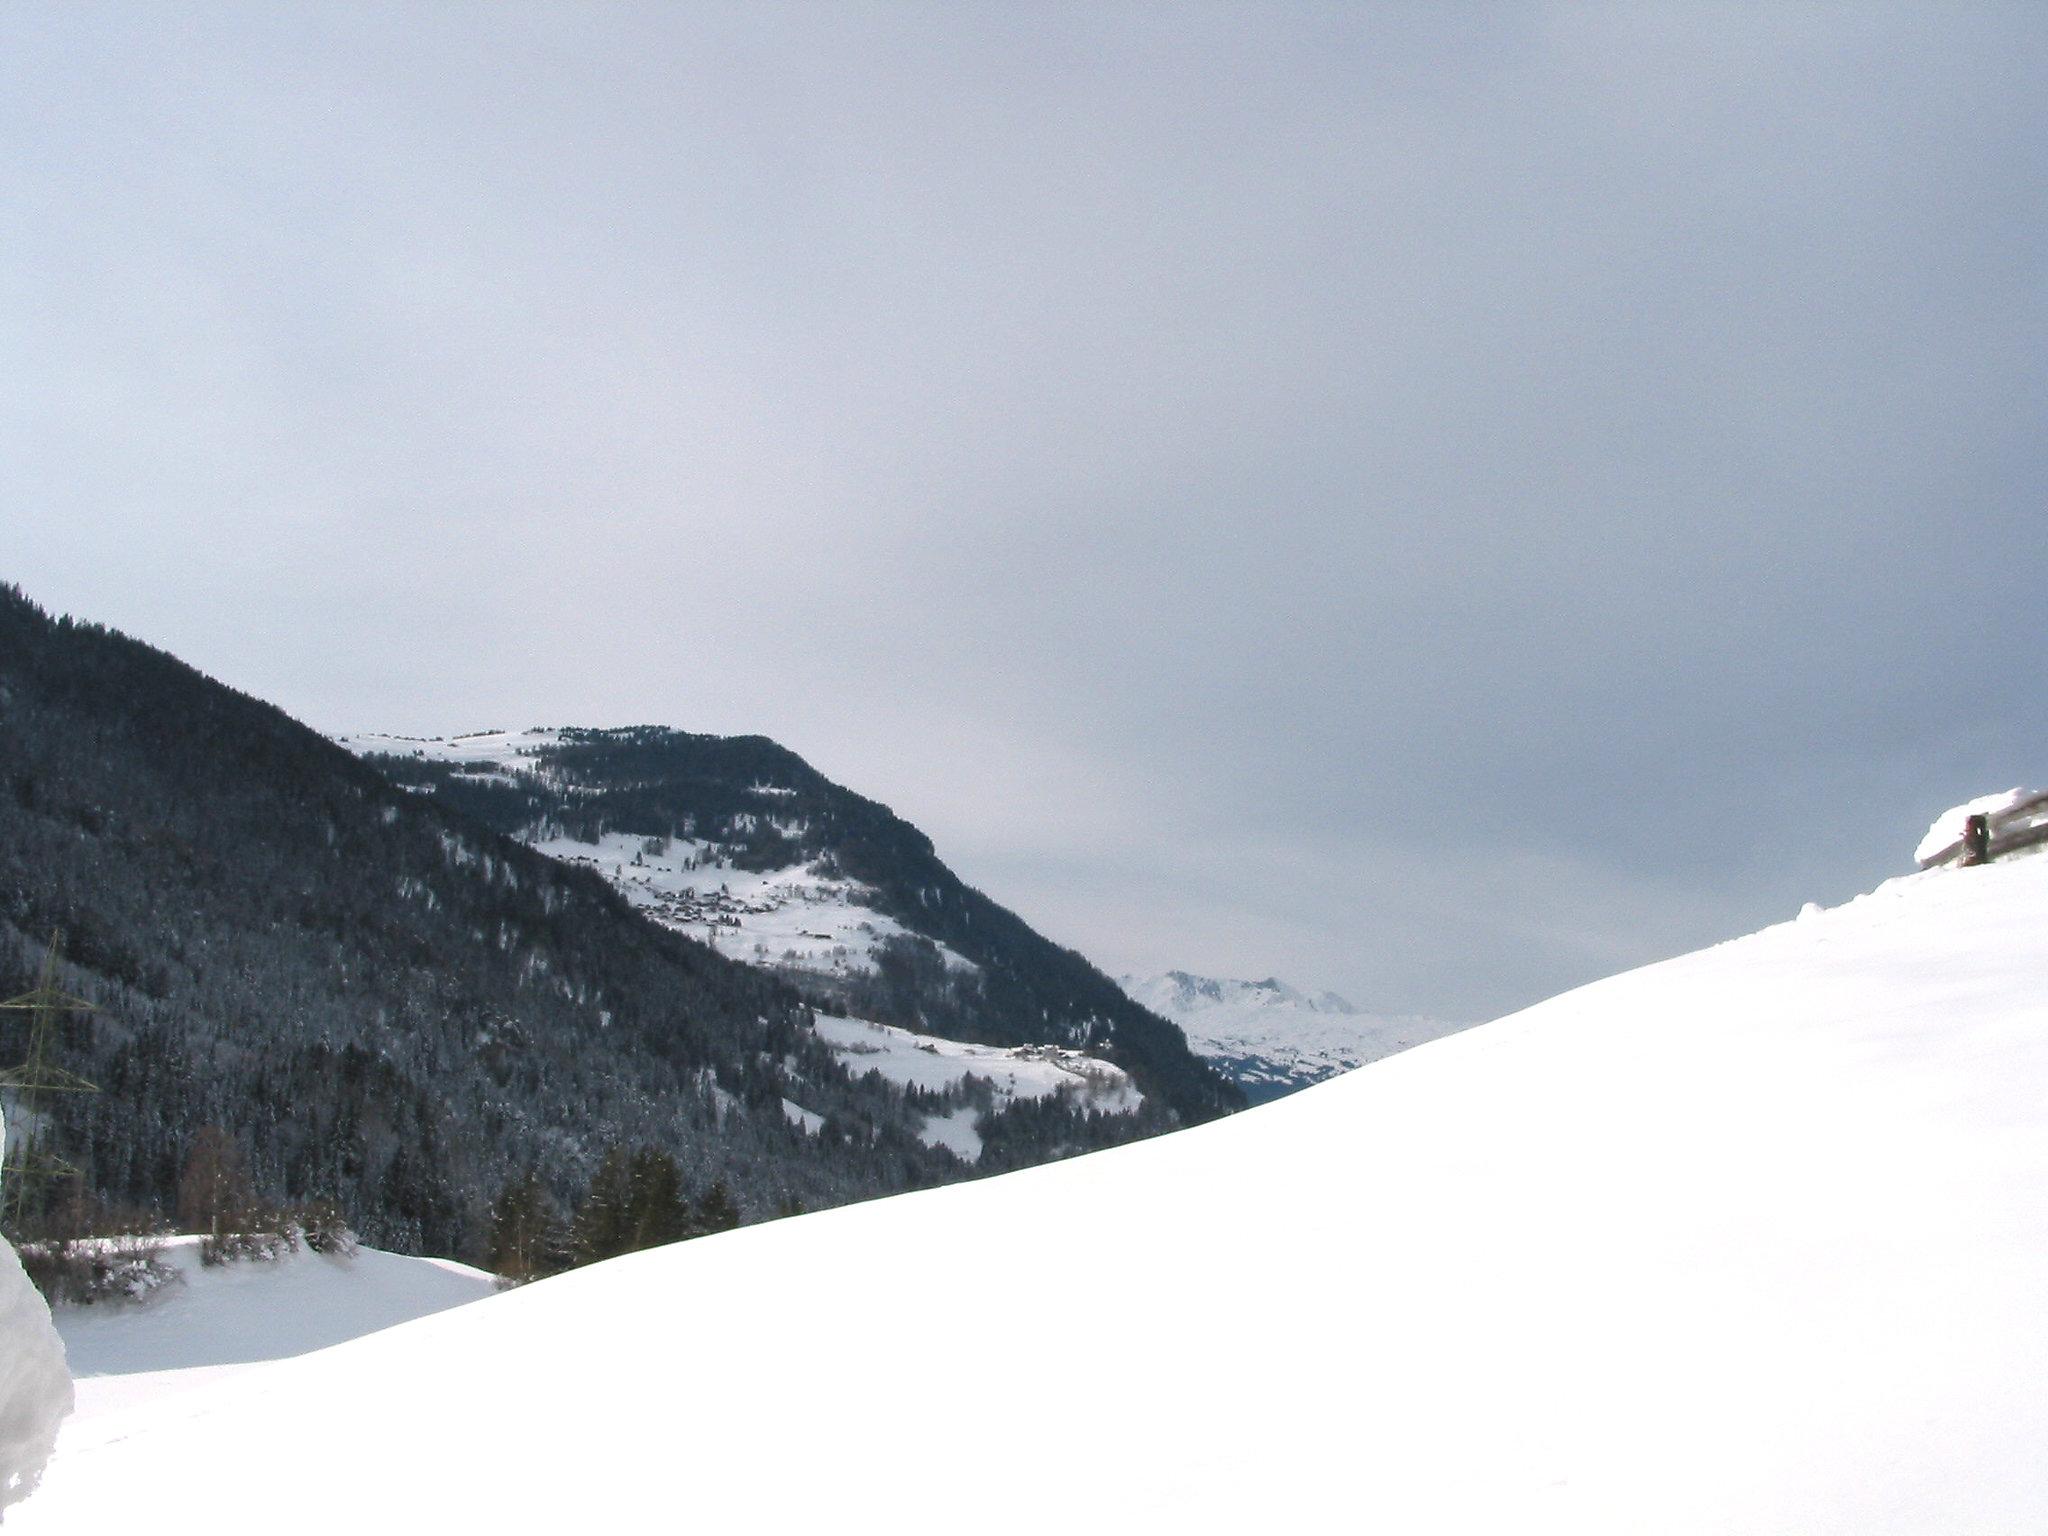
<point>637,1199</point>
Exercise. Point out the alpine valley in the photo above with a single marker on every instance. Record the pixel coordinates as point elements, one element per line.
<point>742,845</point>
<point>406,977</point>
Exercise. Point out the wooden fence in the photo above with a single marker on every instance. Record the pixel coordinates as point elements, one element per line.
<point>1992,836</point>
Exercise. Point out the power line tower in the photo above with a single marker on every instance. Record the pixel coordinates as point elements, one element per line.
<point>29,1167</point>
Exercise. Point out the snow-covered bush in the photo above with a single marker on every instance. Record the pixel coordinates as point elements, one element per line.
<point>262,1246</point>
<point>88,1271</point>
<point>325,1229</point>
<point>270,1234</point>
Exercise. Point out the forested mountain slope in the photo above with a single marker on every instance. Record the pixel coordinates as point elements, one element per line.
<point>739,841</point>
<point>383,1000</point>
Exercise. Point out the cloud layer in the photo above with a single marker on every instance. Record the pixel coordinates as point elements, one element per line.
<point>1437,506</point>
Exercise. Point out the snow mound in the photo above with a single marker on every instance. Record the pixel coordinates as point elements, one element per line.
<point>1747,1241</point>
<point>35,1385</point>
<point>1948,826</point>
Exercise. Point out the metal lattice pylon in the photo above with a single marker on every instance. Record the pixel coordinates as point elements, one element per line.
<point>29,1168</point>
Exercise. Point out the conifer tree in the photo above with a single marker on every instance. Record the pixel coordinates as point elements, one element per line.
<point>525,1236</point>
<point>659,1212</point>
<point>214,1197</point>
<point>603,1225</point>
<point>716,1212</point>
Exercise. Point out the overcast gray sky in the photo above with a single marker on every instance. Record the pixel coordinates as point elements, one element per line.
<point>1436,502</point>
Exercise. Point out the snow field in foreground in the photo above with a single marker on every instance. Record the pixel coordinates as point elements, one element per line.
<point>215,1325</point>
<point>261,1310</point>
<point>1747,1241</point>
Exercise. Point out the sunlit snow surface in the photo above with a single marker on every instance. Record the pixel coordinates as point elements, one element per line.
<point>1755,1240</point>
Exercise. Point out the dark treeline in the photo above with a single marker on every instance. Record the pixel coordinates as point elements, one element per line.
<point>637,1199</point>
<point>387,1005</point>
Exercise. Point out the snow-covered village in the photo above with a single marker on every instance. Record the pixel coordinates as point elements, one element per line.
<point>909,767</point>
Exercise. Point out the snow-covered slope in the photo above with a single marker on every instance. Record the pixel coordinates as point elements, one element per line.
<point>1270,1038</point>
<point>1752,1240</point>
<point>230,1314</point>
<point>1011,1073</point>
<point>795,918</point>
<point>214,1324</point>
<point>801,916</point>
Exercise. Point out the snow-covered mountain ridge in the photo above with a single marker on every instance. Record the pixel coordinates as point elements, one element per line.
<point>1271,1038</point>
<point>1190,993</point>
<point>1749,1240</point>
<point>792,917</point>
<point>741,844</point>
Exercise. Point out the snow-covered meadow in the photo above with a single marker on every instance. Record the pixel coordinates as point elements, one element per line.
<point>232,1314</point>
<point>1011,1072</point>
<point>1751,1240</point>
<point>214,1328</point>
<point>795,918</point>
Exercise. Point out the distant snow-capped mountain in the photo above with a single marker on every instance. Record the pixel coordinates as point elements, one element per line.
<point>1270,1038</point>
